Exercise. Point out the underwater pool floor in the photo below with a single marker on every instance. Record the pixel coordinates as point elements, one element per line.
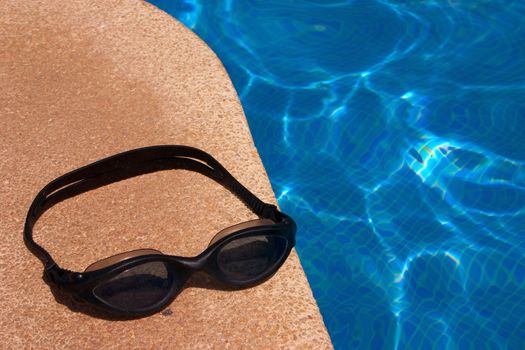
<point>393,132</point>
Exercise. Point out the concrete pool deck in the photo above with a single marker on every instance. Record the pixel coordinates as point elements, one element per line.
<point>83,80</point>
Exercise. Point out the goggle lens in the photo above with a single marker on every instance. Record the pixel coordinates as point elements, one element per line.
<point>247,258</point>
<point>139,288</point>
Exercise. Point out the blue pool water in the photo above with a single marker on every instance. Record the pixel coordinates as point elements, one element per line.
<point>393,132</point>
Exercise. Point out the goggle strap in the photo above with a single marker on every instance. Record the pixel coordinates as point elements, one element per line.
<point>129,164</point>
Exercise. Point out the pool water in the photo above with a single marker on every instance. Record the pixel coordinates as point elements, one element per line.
<point>393,132</point>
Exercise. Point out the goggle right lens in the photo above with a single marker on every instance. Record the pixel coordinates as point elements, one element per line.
<point>247,258</point>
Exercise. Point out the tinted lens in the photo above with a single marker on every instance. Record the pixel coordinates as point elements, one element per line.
<point>140,287</point>
<point>249,257</point>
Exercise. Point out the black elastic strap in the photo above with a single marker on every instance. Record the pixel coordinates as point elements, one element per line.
<point>129,164</point>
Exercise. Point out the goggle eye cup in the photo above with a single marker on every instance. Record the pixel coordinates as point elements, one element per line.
<point>142,287</point>
<point>249,259</point>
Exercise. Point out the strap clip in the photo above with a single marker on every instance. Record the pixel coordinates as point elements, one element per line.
<point>270,212</point>
<point>52,275</point>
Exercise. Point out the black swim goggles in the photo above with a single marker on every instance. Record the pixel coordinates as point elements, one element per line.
<point>141,282</point>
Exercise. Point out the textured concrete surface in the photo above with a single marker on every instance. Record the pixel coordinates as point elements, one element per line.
<point>83,80</point>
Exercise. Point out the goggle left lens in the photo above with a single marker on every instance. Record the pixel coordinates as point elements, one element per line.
<point>140,287</point>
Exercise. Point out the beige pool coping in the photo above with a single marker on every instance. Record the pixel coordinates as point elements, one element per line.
<point>81,80</point>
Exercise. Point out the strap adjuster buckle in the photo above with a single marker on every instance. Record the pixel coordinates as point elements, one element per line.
<point>52,275</point>
<point>270,212</point>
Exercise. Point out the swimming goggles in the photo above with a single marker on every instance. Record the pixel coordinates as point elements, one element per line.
<point>141,282</point>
